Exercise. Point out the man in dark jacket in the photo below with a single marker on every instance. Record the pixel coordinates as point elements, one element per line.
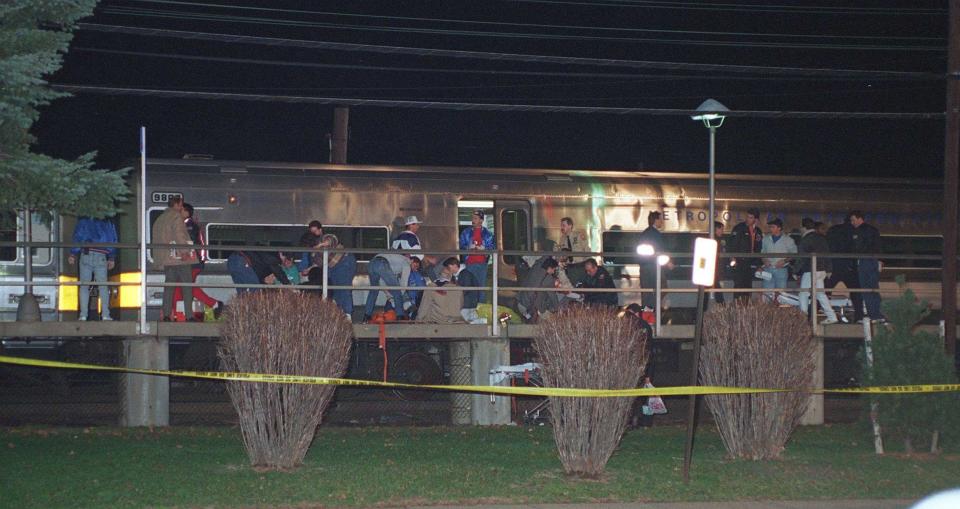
<point>840,240</point>
<point>649,264</point>
<point>813,242</point>
<point>866,240</point>
<point>597,277</point>
<point>255,267</point>
<point>745,237</point>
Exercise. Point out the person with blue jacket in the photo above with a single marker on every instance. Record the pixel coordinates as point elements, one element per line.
<point>477,238</point>
<point>94,261</point>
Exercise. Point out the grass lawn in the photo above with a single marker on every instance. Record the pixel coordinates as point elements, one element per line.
<point>191,467</point>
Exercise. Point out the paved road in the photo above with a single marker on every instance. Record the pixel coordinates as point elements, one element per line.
<point>774,504</point>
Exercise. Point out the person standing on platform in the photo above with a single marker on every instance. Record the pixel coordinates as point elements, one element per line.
<point>840,240</point>
<point>649,265</point>
<point>814,242</point>
<point>745,237</point>
<point>776,243</point>
<point>866,240</point>
<point>196,236</point>
<point>95,262</point>
<point>573,241</point>
<point>175,260</point>
<point>477,238</point>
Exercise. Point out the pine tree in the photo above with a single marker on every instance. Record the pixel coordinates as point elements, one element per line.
<point>34,35</point>
<point>903,356</point>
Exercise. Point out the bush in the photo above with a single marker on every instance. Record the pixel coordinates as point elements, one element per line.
<point>760,346</point>
<point>590,347</point>
<point>282,332</point>
<point>902,356</point>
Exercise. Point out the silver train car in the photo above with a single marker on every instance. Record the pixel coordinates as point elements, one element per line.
<point>248,202</point>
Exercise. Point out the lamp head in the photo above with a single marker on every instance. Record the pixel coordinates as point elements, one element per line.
<point>711,113</point>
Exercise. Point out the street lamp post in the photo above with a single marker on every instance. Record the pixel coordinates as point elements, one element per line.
<point>710,112</point>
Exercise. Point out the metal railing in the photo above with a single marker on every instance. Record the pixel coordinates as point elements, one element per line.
<point>494,285</point>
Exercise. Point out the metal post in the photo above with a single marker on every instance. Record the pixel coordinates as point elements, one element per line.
<point>326,271</point>
<point>494,301</point>
<point>951,167</point>
<point>27,250</point>
<point>693,401</point>
<point>658,300</point>
<point>813,293</point>
<point>142,220</point>
<point>713,136</point>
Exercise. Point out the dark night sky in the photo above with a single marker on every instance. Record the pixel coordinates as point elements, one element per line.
<point>297,132</point>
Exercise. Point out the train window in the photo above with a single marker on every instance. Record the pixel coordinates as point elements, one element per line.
<point>515,234</point>
<point>361,237</point>
<point>286,236</point>
<point>626,242</point>
<point>10,227</point>
<point>911,245</point>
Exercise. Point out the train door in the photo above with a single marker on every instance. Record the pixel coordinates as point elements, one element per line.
<point>509,221</point>
<point>513,222</point>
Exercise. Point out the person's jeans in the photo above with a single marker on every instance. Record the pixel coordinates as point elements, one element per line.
<point>479,271</point>
<point>779,280</point>
<point>93,267</point>
<point>868,271</point>
<point>241,273</point>
<point>379,270</point>
<point>177,274</point>
<point>804,297</point>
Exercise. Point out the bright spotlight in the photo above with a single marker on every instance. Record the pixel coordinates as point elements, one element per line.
<point>645,250</point>
<point>663,260</point>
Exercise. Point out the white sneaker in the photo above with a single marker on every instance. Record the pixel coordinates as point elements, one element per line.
<point>82,318</point>
<point>829,321</point>
<point>107,319</point>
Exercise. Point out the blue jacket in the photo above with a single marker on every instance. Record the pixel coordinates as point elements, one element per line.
<point>466,239</point>
<point>100,231</point>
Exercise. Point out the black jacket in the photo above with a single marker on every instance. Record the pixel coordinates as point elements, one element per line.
<point>739,242</point>
<point>265,263</point>
<point>840,240</point>
<point>601,279</point>
<point>813,243</point>
<point>866,239</point>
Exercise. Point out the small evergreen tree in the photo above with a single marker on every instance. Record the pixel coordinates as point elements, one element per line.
<point>904,356</point>
<point>34,35</point>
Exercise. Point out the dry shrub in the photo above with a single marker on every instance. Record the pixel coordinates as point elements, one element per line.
<point>590,347</point>
<point>282,332</point>
<point>759,346</point>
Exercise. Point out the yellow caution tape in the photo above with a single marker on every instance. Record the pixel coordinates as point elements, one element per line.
<point>507,391</point>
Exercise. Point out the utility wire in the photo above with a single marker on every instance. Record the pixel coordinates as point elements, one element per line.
<point>600,62</point>
<point>462,106</point>
<point>532,25</point>
<point>633,77</point>
<point>753,8</point>
<point>181,15</point>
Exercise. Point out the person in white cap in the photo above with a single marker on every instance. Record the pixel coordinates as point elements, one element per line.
<point>408,238</point>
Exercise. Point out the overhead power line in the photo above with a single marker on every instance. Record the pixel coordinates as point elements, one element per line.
<point>186,15</point>
<point>530,25</point>
<point>633,77</point>
<point>753,8</point>
<point>599,62</point>
<point>464,106</point>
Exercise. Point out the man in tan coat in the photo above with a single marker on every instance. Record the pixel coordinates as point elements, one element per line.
<point>169,228</point>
